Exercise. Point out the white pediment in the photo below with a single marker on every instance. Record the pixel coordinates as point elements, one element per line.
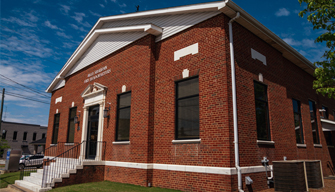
<point>93,90</point>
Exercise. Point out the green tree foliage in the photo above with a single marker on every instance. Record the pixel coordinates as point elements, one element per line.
<point>321,13</point>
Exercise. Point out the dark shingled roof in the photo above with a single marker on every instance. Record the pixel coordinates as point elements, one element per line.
<point>39,142</point>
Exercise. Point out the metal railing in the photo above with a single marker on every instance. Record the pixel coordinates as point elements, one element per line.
<point>30,164</point>
<point>57,149</point>
<point>69,159</point>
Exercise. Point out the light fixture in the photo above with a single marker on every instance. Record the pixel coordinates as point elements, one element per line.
<point>76,120</point>
<point>106,110</point>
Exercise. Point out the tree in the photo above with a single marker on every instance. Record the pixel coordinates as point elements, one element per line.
<point>3,145</point>
<point>321,13</point>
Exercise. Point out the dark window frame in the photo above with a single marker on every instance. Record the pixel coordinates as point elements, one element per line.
<point>54,138</point>
<point>325,114</point>
<point>15,136</point>
<point>300,118</point>
<point>118,113</point>
<point>315,121</point>
<point>34,136</point>
<point>267,109</point>
<point>68,126</point>
<point>4,132</point>
<point>43,135</point>
<point>176,106</point>
<point>25,135</point>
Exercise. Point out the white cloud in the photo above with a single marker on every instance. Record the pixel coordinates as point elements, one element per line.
<point>122,5</point>
<point>62,34</point>
<point>19,22</point>
<point>292,42</point>
<point>282,12</point>
<point>48,24</point>
<point>77,28</point>
<point>79,17</point>
<point>122,11</point>
<point>307,43</point>
<point>32,16</point>
<point>95,14</point>
<point>114,1</point>
<point>65,9</point>
<point>101,5</point>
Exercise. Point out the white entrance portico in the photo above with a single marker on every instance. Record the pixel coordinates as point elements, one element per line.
<point>94,95</point>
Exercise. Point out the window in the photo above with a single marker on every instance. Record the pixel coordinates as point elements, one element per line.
<point>4,133</point>
<point>187,109</point>
<point>43,135</point>
<point>262,113</point>
<point>15,135</point>
<point>314,122</point>
<point>55,130</point>
<point>325,112</point>
<point>34,136</point>
<point>123,117</point>
<point>71,126</point>
<point>25,136</point>
<point>328,136</point>
<point>297,122</point>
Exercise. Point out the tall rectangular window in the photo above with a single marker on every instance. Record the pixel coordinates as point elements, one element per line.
<point>55,130</point>
<point>123,117</point>
<point>15,135</point>
<point>71,126</point>
<point>187,109</point>
<point>4,133</point>
<point>328,137</point>
<point>262,113</point>
<point>297,122</point>
<point>25,136</point>
<point>314,122</point>
<point>325,112</point>
<point>34,136</point>
<point>43,135</point>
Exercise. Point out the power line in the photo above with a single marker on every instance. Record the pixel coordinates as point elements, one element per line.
<point>23,95</point>
<point>26,98</point>
<point>21,88</point>
<point>36,91</point>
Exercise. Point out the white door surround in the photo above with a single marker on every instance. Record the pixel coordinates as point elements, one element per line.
<point>94,94</point>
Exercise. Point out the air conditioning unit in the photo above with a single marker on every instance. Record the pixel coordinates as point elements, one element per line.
<point>297,175</point>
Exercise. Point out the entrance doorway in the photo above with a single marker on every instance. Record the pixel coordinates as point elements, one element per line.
<point>92,132</point>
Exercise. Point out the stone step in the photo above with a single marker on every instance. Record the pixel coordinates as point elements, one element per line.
<point>33,180</point>
<point>17,188</point>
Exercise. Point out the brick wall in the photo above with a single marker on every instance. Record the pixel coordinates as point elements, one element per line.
<point>149,71</point>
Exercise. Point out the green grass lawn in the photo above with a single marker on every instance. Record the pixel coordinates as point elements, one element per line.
<point>8,178</point>
<point>109,186</point>
<point>1,165</point>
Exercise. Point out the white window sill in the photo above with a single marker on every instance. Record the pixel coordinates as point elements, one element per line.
<point>317,145</point>
<point>186,141</point>
<point>53,145</point>
<point>265,142</point>
<point>301,145</point>
<point>66,144</point>
<point>121,142</point>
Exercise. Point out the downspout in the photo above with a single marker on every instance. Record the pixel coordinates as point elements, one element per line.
<point>233,82</point>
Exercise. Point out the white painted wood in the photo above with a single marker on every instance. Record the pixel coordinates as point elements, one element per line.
<point>186,73</point>
<point>124,88</point>
<point>60,84</point>
<point>192,49</point>
<point>121,142</point>
<point>56,111</point>
<point>260,77</point>
<point>256,55</point>
<point>186,141</point>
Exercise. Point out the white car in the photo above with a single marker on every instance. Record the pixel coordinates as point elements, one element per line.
<point>31,161</point>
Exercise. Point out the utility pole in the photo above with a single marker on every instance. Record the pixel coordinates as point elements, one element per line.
<point>2,100</point>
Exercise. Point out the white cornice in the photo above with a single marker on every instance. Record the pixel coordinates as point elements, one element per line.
<point>328,121</point>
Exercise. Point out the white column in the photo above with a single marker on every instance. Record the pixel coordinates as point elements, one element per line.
<point>84,133</point>
<point>100,131</point>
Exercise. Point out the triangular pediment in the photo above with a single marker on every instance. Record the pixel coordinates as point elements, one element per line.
<point>93,89</point>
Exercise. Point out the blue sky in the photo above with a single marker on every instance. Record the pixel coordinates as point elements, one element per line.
<point>38,36</point>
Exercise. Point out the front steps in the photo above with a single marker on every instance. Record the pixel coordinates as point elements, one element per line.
<point>62,168</point>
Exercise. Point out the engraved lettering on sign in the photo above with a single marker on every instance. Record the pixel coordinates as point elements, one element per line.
<point>96,74</point>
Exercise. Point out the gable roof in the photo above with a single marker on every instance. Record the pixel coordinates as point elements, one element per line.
<point>114,32</point>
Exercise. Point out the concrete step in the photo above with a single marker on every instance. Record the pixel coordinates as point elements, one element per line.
<point>31,186</point>
<point>17,188</point>
<point>33,180</point>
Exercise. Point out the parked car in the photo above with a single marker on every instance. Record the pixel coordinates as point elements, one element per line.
<point>31,161</point>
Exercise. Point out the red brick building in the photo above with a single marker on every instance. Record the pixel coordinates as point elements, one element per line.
<point>163,78</point>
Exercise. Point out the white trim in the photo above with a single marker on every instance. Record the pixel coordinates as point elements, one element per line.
<point>184,168</point>
<point>68,144</point>
<point>51,145</point>
<point>186,141</point>
<point>318,145</point>
<point>301,145</point>
<point>265,142</point>
<point>328,121</point>
<point>121,142</point>
<point>192,49</point>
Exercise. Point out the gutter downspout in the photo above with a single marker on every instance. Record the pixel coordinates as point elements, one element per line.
<point>233,82</point>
